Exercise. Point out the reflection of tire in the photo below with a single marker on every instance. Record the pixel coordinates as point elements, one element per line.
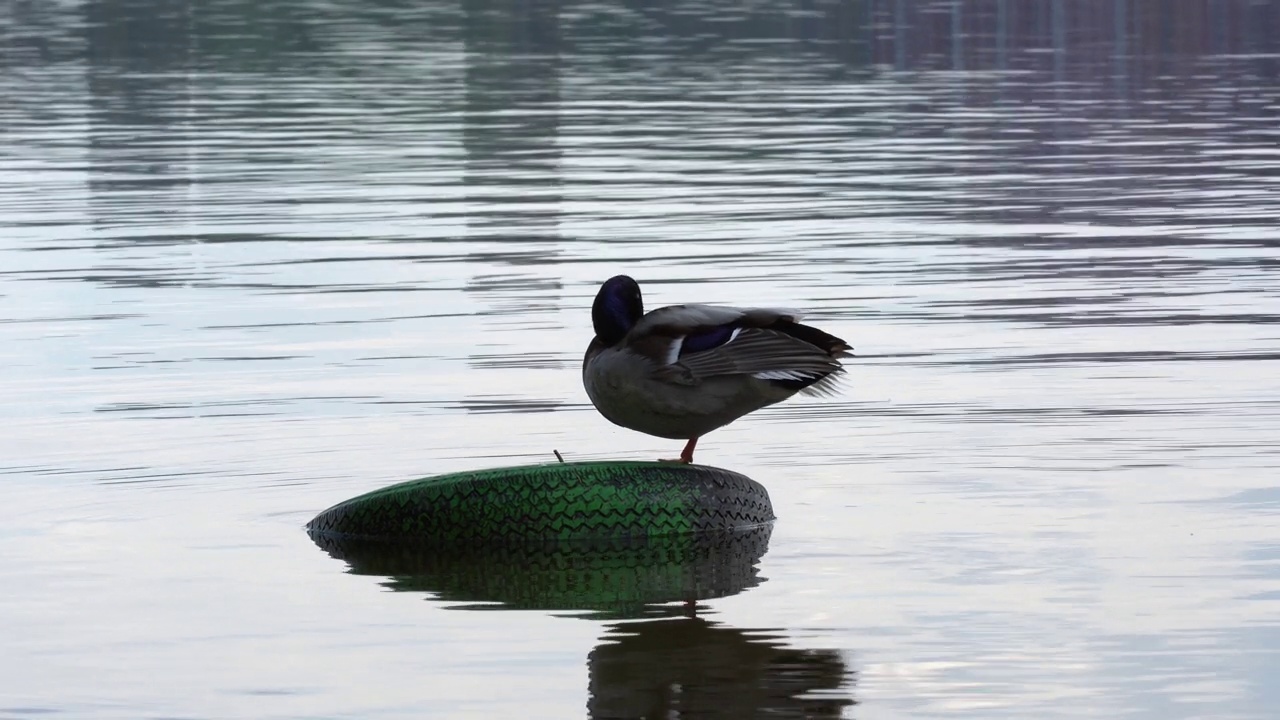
<point>615,578</point>
<point>559,501</point>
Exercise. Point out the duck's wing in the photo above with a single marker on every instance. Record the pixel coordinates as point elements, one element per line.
<point>689,343</point>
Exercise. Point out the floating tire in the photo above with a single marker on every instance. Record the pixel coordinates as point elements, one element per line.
<point>557,502</point>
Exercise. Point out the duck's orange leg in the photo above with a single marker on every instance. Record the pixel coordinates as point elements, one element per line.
<point>686,455</point>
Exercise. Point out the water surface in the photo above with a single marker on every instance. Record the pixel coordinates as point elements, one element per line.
<point>256,260</point>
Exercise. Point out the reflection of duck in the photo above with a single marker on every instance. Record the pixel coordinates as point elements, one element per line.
<point>682,371</point>
<point>692,668</point>
<point>616,578</point>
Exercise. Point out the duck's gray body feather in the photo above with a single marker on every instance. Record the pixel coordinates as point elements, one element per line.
<point>632,391</point>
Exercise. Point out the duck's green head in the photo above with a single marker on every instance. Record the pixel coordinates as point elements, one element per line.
<point>617,308</point>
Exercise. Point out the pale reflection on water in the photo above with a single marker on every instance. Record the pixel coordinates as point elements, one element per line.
<point>256,260</point>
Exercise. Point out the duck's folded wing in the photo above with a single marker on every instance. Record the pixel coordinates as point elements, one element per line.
<point>765,354</point>
<point>689,343</point>
<point>677,320</point>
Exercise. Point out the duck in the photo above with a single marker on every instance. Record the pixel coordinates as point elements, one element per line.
<point>681,371</point>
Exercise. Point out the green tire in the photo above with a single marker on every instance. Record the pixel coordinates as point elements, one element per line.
<point>553,502</point>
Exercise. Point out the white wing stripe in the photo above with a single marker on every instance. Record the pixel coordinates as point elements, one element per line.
<point>783,375</point>
<point>673,354</point>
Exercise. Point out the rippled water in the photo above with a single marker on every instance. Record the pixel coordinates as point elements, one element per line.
<point>256,259</point>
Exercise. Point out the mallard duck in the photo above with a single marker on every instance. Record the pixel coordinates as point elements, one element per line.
<point>682,371</point>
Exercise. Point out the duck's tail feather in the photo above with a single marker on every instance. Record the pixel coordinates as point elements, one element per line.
<point>828,343</point>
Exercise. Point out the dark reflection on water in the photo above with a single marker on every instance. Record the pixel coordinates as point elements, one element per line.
<point>511,124</point>
<point>672,663</point>
<point>693,668</point>
<point>612,579</point>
